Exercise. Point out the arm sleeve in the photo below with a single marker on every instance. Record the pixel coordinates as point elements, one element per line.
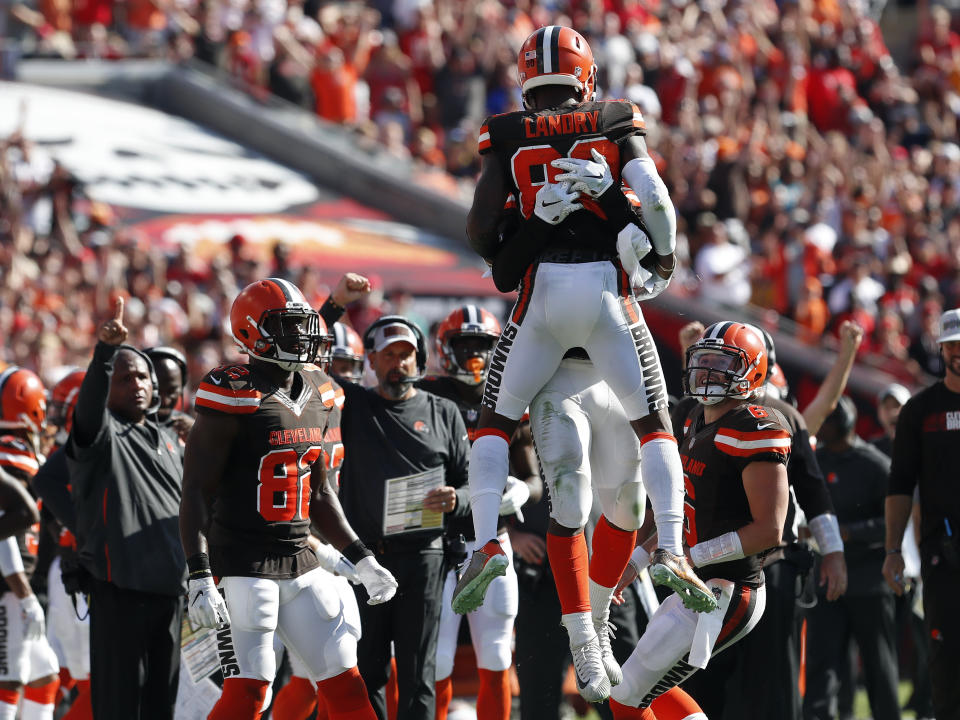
<point>906,460</point>
<point>89,415</point>
<point>331,312</point>
<point>50,483</point>
<point>806,478</point>
<point>457,463</point>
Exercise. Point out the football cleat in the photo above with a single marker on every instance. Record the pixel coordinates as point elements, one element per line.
<point>487,564</point>
<point>610,665</point>
<point>675,572</point>
<point>591,676</point>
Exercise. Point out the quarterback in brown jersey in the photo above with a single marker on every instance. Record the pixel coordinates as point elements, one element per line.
<point>254,479</point>
<point>734,456</point>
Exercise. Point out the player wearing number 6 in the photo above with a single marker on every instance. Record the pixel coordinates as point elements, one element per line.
<point>570,163</point>
<point>254,479</point>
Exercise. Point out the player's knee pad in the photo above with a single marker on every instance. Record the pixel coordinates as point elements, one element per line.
<point>624,506</point>
<point>254,603</point>
<point>43,660</point>
<point>242,698</point>
<point>560,450</point>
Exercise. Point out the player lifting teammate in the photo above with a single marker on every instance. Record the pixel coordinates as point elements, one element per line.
<point>255,448</point>
<point>734,455</point>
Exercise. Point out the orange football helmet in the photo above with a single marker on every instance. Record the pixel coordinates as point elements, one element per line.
<point>729,361</point>
<point>467,321</point>
<point>348,348</point>
<point>271,320</point>
<point>556,55</point>
<point>63,399</point>
<point>23,401</point>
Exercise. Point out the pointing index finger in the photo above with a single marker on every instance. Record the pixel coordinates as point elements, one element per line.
<point>118,310</point>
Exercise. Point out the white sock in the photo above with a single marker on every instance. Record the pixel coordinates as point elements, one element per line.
<point>8,711</point>
<point>600,598</point>
<point>489,467</point>
<point>30,710</point>
<point>579,627</point>
<point>662,475</point>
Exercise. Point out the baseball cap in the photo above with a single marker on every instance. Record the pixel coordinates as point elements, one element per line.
<point>391,333</point>
<point>949,326</point>
<point>895,390</point>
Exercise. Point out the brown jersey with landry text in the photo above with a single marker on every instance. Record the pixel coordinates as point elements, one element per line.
<point>714,457</point>
<point>261,512</point>
<point>527,142</point>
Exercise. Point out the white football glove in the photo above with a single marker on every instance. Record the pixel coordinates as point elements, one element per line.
<point>590,177</point>
<point>554,202</point>
<point>652,286</point>
<point>377,580</point>
<point>33,625</point>
<point>633,245</point>
<point>333,562</point>
<point>205,605</point>
<point>515,494</point>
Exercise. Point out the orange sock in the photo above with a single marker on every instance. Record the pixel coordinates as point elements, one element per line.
<point>625,712</point>
<point>493,698</point>
<point>393,691</point>
<point>444,696</point>
<point>66,680</point>
<point>241,699</point>
<point>322,712</point>
<point>569,562</point>
<point>8,704</point>
<point>82,708</point>
<point>611,553</point>
<point>346,696</point>
<point>43,695</point>
<point>676,704</point>
<point>295,700</point>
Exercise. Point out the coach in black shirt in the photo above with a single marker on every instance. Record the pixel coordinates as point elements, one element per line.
<point>126,476</point>
<point>925,457</point>
<point>396,438</point>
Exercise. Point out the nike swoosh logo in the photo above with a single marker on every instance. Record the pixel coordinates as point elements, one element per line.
<point>215,380</point>
<point>765,426</point>
<point>580,683</point>
<point>548,204</point>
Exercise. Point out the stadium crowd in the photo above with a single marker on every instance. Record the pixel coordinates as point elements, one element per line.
<point>786,134</point>
<point>812,175</point>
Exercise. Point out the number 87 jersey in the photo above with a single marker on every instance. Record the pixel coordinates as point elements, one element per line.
<point>527,142</point>
<point>261,511</point>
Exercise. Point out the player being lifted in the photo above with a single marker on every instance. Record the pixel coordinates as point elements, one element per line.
<point>254,479</point>
<point>564,159</point>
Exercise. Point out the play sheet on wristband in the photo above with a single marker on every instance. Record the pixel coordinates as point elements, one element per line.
<point>403,503</point>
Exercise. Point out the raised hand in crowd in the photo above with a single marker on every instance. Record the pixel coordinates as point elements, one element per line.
<point>113,331</point>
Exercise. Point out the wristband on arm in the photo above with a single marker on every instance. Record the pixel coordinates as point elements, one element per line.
<point>10,559</point>
<point>826,531</point>
<point>719,549</point>
<point>199,565</point>
<point>356,551</point>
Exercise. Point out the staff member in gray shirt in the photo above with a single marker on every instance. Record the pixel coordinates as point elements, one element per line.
<point>126,477</point>
<point>390,432</point>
